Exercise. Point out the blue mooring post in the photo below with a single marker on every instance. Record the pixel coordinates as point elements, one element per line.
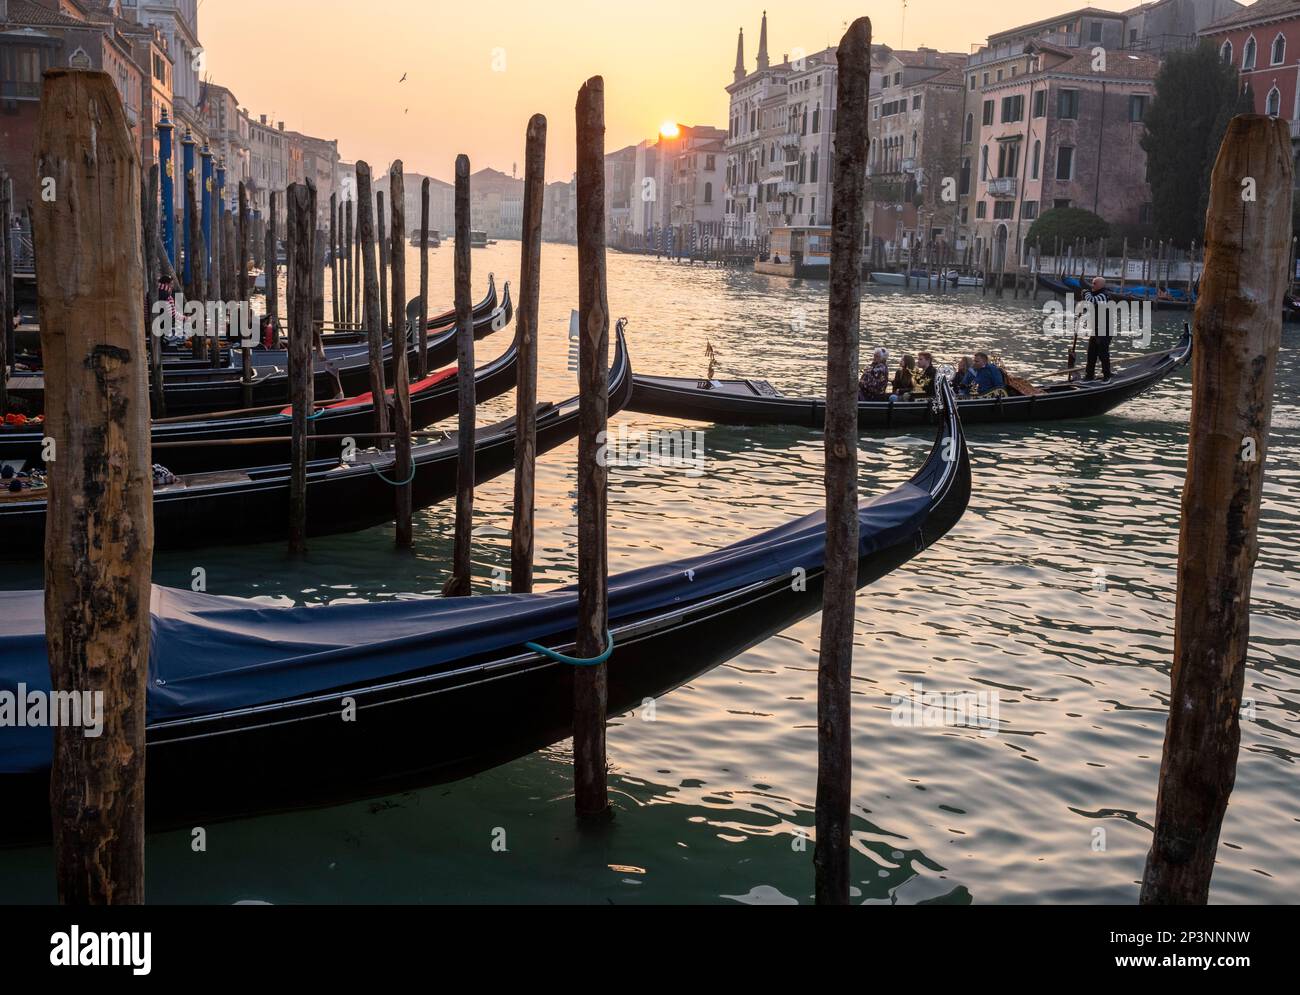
<point>187,149</point>
<point>168,187</point>
<point>209,181</point>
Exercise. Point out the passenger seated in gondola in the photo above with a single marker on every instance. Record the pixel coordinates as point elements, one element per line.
<point>875,378</point>
<point>958,381</point>
<point>984,379</point>
<point>902,385</point>
<point>923,377</point>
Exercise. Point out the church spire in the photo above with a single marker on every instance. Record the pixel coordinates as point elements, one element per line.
<point>762,45</point>
<point>740,57</point>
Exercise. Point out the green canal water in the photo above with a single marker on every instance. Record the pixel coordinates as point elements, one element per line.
<point>1055,593</point>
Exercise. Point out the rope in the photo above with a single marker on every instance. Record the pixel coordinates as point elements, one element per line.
<point>576,661</point>
<point>393,483</point>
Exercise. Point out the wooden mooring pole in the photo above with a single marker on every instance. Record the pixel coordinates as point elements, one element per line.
<point>401,378</point>
<point>1238,331</point>
<point>300,240</point>
<point>245,353</point>
<point>381,241</point>
<point>334,258</point>
<point>272,271</point>
<point>99,517</point>
<point>365,235</point>
<point>590,683</point>
<point>530,273</point>
<point>154,261</point>
<point>458,584</point>
<point>835,666</point>
<point>422,333</point>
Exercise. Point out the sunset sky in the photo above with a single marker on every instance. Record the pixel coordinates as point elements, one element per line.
<point>331,68</point>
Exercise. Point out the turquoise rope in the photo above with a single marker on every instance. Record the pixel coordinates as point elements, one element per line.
<point>576,661</point>
<point>393,483</point>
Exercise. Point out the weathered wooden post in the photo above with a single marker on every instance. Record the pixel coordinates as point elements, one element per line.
<point>245,353</point>
<point>381,240</point>
<point>99,518</point>
<point>197,287</point>
<point>374,333</point>
<point>350,294</point>
<point>458,584</point>
<point>530,272</point>
<point>422,336</point>
<point>590,683</point>
<point>401,377</point>
<point>300,204</point>
<point>154,260</point>
<point>272,271</point>
<point>6,323</point>
<point>334,258</point>
<point>1238,331</point>
<point>835,667</point>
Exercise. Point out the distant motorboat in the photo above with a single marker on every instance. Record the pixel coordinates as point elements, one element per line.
<point>952,278</point>
<point>435,238</point>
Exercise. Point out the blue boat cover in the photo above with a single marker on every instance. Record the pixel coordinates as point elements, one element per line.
<point>212,654</point>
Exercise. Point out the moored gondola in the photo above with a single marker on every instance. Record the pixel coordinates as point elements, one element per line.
<point>245,699</point>
<point>347,373</point>
<point>252,503</point>
<point>756,402</point>
<point>191,445</point>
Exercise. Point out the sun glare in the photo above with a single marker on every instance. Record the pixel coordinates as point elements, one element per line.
<point>668,129</point>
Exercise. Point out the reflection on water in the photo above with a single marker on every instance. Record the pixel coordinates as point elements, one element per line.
<point>1055,592</point>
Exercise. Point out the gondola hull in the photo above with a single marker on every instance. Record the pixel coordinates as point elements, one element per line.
<point>428,712</point>
<point>748,402</point>
<point>252,505</point>
<point>184,447</point>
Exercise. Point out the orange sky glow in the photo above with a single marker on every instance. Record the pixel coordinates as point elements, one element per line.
<point>475,72</point>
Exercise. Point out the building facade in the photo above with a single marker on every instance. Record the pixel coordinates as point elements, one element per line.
<point>1263,42</point>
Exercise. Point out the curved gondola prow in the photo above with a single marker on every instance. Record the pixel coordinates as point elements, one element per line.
<point>620,371</point>
<point>946,472</point>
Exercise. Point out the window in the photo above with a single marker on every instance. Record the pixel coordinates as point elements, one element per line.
<point>1029,210</point>
<point>817,119</point>
<point>1137,107</point>
<point>1038,149</point>
<point>986,79</point>
<point>999,75</point>
<point>1060,203</point>
<point>710,163</point>
<point>981,209</point>
<point>1279,50</point>
<point>1003,209</point>
<point>916,102</point>
<point>708,193</point>
<point>1094,31</point>
<point>898,79</point>
<point>1248,54</point>
<point>988,112</point>
<point>812,178</point>
<point>972,81</point>
<point>965,214</point>
<point>1225,53</point>
<point>1065,162</point>
<point>1146,214</point>
<point>1013,108</point>
<point>1067,104</point>
<point>965,177</point>
<point>1009,159</point>
<point>969,131</point>
<point>1273,103</point>
<point>1040,103</point>
<point>1132,37</point>
<point>984,163</point>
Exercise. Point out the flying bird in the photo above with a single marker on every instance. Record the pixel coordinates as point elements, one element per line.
<point>403,79</point>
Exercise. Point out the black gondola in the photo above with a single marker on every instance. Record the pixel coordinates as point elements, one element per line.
<point>756,402</point>
<point>432,399</point>
<point>253,503</point>
<point>199,391</point>
<point>245,699</point>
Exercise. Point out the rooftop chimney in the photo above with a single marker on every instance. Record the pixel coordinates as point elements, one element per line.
<point>282,126</point>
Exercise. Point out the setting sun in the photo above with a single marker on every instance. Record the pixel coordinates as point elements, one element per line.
<point>668,129</point>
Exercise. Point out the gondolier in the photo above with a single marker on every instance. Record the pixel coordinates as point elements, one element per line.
<point>1099,340</point>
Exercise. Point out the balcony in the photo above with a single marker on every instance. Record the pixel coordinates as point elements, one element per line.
<point>787,186</point>
<point>1002,186</point>
<point>773,207</point>
<point>790,141</point>
<point>1295,130</point>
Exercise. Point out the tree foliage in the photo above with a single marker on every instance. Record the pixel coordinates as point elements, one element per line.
<point>1197,94</point>
<point>1067,224</point>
